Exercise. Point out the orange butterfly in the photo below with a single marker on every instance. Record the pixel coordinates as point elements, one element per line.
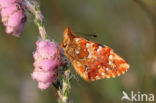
<point>91,60</point>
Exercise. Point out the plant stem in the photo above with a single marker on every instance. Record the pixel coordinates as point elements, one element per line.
<point>63,84</point>
<point>66,77</point>
<point>34,8</point>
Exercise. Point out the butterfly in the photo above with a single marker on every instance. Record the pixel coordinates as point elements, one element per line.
<point>91,60</point>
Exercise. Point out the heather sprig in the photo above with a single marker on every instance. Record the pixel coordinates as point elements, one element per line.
<point>50,65</point>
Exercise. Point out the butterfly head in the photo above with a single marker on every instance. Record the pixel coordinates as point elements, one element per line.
<point>68,36</point>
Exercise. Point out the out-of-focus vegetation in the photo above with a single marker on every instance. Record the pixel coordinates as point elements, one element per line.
<point>125,25</point>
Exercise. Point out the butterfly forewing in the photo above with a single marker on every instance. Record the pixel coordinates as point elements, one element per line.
<point>91,60</point>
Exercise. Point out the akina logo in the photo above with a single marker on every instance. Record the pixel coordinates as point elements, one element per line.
<point>137,97</point>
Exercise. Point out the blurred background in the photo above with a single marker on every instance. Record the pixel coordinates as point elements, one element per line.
<point>128,26</point>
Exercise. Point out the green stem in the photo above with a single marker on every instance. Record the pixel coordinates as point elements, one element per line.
<point>64,90</point>
<point>34,8</point>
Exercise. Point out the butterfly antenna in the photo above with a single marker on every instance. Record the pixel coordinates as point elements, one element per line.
<point>92,35</point>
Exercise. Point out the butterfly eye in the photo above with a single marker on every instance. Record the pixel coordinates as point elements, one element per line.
<point>64,45</point>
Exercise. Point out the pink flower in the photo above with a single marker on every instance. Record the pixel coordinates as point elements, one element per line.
<point>8,10</point>
<point>48,57</point>
<point>13,16</point>
<point>48,64</point>
<point>6,3</point>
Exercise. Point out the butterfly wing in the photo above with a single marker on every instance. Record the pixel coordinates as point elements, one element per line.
<point>91,60</point>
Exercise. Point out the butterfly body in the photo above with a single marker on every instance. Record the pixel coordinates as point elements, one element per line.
<point>91,60</point>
